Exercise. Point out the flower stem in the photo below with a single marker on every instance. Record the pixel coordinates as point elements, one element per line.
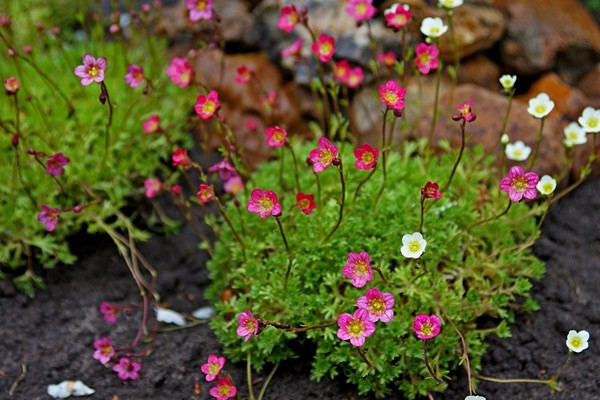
<point>433,375</point>
<point>249,374</point>
<point>483,221</point>
<point>104,91</point>
<point>228,222</point>
<point>361,183</point>
<point>505,119</point>
<point>538,140</point>
<point>263,388</point>
<point>435,105</point>
<point>289,146</point>
<point>420,230</point>
<point>460,153</point>
<point>342,200</point>
<point>464,346</point>
<point>287,247</point>
<point>383,141</point>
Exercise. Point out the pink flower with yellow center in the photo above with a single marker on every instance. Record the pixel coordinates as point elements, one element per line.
<point>49,217</point>
<point>205,194</point>
<point>289,18</point>
<point>397,16</point>
<point>391,94</point>
<point>430,191</point>
<point>275,136</point>
<point>426,57</point>
<point>213,367</point>
<point>388,58</point>
<point>263,203</point>
<point>180,158</point>
<point>109,312</point>
<point>233,185</point>
<point>55,164</point>
<point>244,74</point>
<point>355,328</point>
<point>152,186</point>
<point>224,389</point>
<point>360,10</point>
<point>293,49</point>
<point>224,168</point>
<point>519,184</point>
<point>11,85</point>
<point>180,72</point>
<point>465,113</point>
<point>92,69</point>
<point>104,350</point>
<point>207,105</point>
<point>341,70</point>
<point>127,369</point>
<point>306,202</point>
<point>247,325</point>
<point>134,76</point>
<point>358,268</point>
<point>366,157</point>
<point>152,124</point>
<point>355,77</point>
<point>379,305</point>
<point>200,9</point>
<point>324,156</point>
<point>324,47</point>
<point>427,327</point>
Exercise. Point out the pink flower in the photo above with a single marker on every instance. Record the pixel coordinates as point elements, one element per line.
<point>306,202</point>
<point>248,325</point>
<point>355,77</point>
<point>269,100</point>
<point>379,305</point>
<point>49,217</point>
<point>92,69</point>
<point>293,49</point>
<point>152,124</point>
<point>153,186</point>
<point>207,105</point>
<point>27,49</point>
<point>263,203</point>
<point>397,16</point>
<point>360,10</point>
<point>355,327</point>
<point>224,168</point>
<point>55,164</point>
<point>109,312</point>
<point>127,369</point>
<point>465,113</point>
<point>213,367</point>
<point>205,194</point>
<point>324,156</point>
<point>275,136</point>
<point>392,95</point>
<point>180,158</point>
<point>114,28</point>
<point>224,389</point>
<point>426,57</point>
<point>134,76</point>
<point>388,58</point>
<point>180,72</point>
<point>430,191</point>
<point>104,350</point>
<point>366,157</point>
<point>200,9</point>
<point>358,268</point>
<point>11,85</point>
<point>289,18</point>
<point>341,70</point>
<point>176,190</point>
<point>324,47</point>
<point>234,185</point>
<point>244,74</point>
<point>519,184</point>
<point>427,327</point>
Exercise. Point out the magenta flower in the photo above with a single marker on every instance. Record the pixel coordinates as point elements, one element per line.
<point>388,58</point>
<point>427,327</point>
<point>224,389</point>
<point>391,94</point>
<point>324,156</point>
<point>134,76</point>
<point>49,217</point>
<point>248,325</point>
<point>293,49</point>
<point>207,105</point>
<point>109,312</point>
<point>465,113</point>
<point>379,305</point>
<point>153,186</point>
<point>180,158</point>
<point>397,16</point>
<point>213,367</point>
<point>306,202</point>
<point>355,327</point>
<point>355,77</point>
<point>180,72</point>
<point>289,18</point>
<point>430,191</point>
<point>358,268</point>
<point>324,47</point>
<point>233,185</point>
<point>360,10</point>
<point>104,350</point>
<point>127,369</point>
<point>275,136</point>
<point>341,69</point>
<point>55,164</point>
<point>244,74</point>
<point>92,69</point>
<point>11,85</point>
<point>152,124</point>
<point>200,9</point>
<point>205,194</point>
<point>263,203</point>
<point>426,57</point>
<point>366,157</point>
<point>519,184</point>
<point>224,168</point>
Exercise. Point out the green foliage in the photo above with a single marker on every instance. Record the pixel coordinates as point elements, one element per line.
<point>464,274</point>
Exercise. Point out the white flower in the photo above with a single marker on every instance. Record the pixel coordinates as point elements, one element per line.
<point>433,27</point>
<point>504,139</point>
<point>474,398</point>
<point>590,120</point>
<point>517,151</point>
<point>578,341</point>
<point>169,316</point>
<point>574,134</point>
<point>546,185</point>
<point>450,3</point>
<point>508,81</point>
<point>69,388</point>
<point>413,245</point>
<point>540,106</point>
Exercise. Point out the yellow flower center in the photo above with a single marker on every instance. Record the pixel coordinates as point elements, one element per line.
<point>367,157</point>
<point>391,97</point>
<point>576,342</point>
<point>400,19</point>
<point>361,9</point>
<point>213,368</point>
<point>424,58</point>
<point>265,204</point>
<point>517,153</point>
<point>414,246</point>
<point>304,203</point>
<point>278,136</point>
<point>434,29</point>
<point>520,184</point>
<point>201,6</point>
<point>326,157</point>
<point>376,306</point>
<point>593,122</point>
<point>547,187</point>
<point>426,328</point>
<point>93,72</point>
<point>185,76</point>
<point>224,390</point>
<point>540,109</point>
<point>361,267</point>
<point>355,327</point>
<point>106,350</point>
<point>325,48</point>
<point>208,107</point>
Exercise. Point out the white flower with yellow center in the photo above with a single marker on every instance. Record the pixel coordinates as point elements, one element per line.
<point>474,398</point>
<point>450,3</point>
<point>590,120</point>
<point>413,245</point>
<point>433,27</point>
<point>546,185</point>
<point>504,139</point>
<point>517,151</point>
<point>540,106</point>
<point>508,81</point>
<point>574,134</point>
<point>578,341</point>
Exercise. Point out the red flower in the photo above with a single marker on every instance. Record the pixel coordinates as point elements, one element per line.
<point>519,184</point>
<point>224,389</point>
<point>289,18</point>
<point>152,124</point>
<point>213,367</point>
<point>244,74</point>
<point>11,85</point>
<point>109,312</point>
<point>275,136</point>
<point>55,164</point>
<point>324,47</point>
<point>306,202</point>
<point>430,191</point>
<point>388,58</point>
<point>465,113</point>
<point>127,369</point>
<point>180,158</point>
<point>397,16</point>
<point>205,194</point>
<point>392,95</point>
<point>366,157</point>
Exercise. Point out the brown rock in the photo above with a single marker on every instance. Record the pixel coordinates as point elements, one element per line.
<point>480,71</point>
<point>590,85</point>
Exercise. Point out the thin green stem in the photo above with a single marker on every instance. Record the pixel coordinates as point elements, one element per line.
<point>481,222</point>
<point>287,247</point>
<point>263,388</point>
<point>435,105</point>
<point>228,222</point>
<point>383,141</point>
<point>464,347</point>
<point>460,153</point>
<point>538,140</point>
<point>342,200</point>
<point>289,146</point>
<point>431,372</point>
<point>249,374</point>
<point>361,183</point>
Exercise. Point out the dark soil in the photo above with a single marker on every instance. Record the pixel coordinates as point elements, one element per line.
<point>52,334</point>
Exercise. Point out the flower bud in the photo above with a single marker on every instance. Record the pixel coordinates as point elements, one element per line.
<point>102,97</point>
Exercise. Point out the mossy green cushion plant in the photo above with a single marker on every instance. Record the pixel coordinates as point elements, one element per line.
<point>470,271</point>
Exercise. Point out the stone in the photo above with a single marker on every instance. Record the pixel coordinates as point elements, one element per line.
<point>481,71</point>
<point>589,84</point>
